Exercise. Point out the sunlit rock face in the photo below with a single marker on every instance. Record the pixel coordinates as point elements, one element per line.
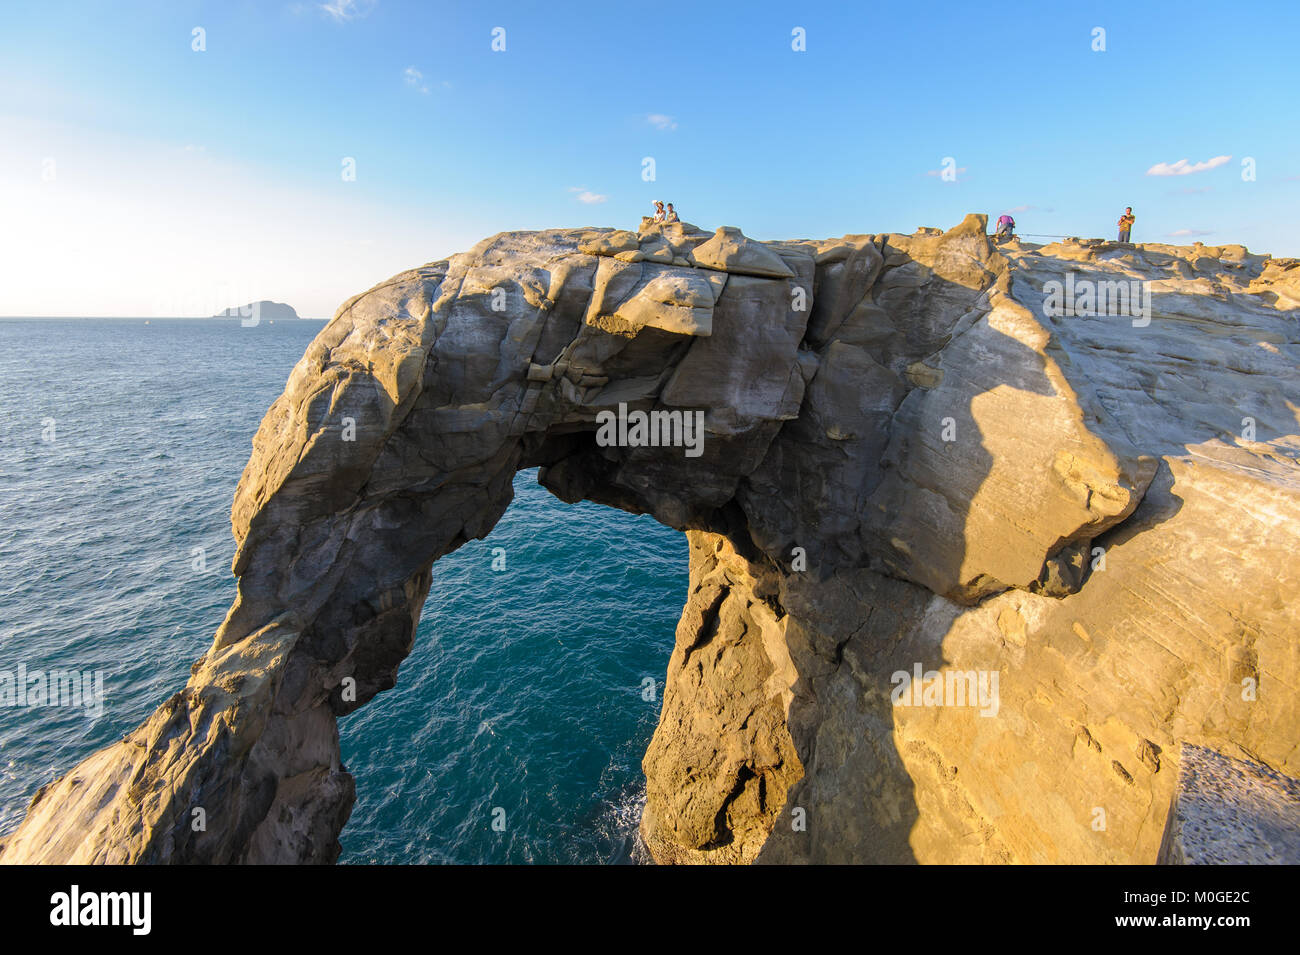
<point>977,536</point>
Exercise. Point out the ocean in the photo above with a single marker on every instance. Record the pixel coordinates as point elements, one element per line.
<point>516,729</point>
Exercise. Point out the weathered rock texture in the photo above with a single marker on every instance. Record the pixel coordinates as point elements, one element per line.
<point>907,463</point>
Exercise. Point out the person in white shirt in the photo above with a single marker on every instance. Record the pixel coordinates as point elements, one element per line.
<point>659,210</point>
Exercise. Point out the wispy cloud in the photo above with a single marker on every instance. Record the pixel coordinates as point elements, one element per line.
<point>1186,233</point>
<point>662,122</point>
<point>1185,167</point>
<point>587,197</point>
<point>344,10</point>
<point>414,79</point>
<point>939,172</point>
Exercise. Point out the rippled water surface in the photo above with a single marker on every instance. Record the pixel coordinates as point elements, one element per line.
<point>523,703</point>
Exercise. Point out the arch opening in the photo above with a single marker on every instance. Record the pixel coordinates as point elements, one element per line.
<point>529,698</point>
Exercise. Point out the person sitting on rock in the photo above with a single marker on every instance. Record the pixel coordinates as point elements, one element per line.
<point>671,214</point>
<point>659,210</point>
<point>1005,225</point>
<point>1126,224</point>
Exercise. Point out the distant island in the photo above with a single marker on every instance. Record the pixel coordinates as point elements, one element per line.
<point>263,309</point>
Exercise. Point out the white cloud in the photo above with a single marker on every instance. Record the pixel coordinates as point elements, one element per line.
<point>939,172</point>
<point>587,197</point>
<point>1185,167</point>
<point>415,79</point>
<point>1184,233</point>
<point>344,10</point>
<point>661,122</point>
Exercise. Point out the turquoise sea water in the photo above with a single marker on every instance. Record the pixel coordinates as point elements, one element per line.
<point>522,702</point>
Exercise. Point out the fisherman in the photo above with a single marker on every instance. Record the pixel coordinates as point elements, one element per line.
<point>671,214</point>
<point>1005,225</point>
<point>1126,224</point>
<point>659,210</point>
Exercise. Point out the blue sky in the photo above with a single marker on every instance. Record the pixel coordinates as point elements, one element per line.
<point>139,176</point>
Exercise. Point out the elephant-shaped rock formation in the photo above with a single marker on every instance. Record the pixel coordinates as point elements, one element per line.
<point>965,570</point>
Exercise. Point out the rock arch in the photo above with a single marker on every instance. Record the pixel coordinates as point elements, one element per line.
<point>823,371</point>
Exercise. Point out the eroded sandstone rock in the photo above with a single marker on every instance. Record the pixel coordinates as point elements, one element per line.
<point>911,465</point>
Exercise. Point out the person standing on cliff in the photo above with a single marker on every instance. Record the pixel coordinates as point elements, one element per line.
<point>1126,224</point>
<point>671,214</point>
<point>659,210</point>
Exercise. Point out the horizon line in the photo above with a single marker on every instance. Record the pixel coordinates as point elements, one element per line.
<point>146,318</point>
